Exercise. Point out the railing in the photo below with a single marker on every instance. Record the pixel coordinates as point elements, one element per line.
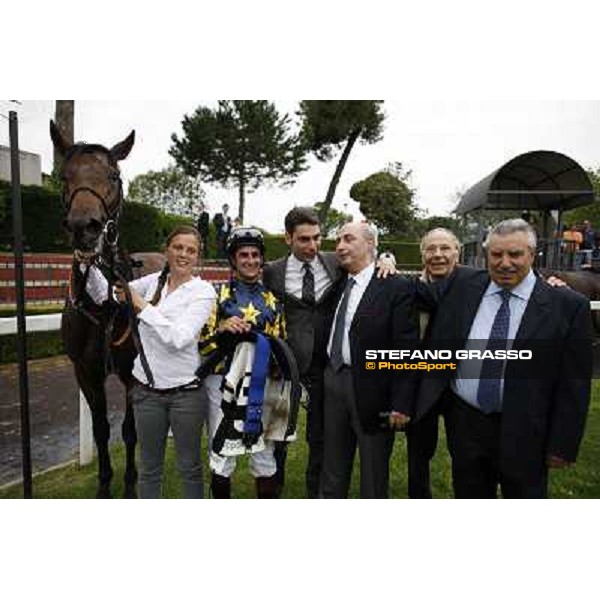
<point>47,277</point>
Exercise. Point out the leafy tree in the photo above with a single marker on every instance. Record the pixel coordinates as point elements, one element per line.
<point>428,222</point>
<point>591,212</point>
<point>169,190</point>
<point>329,125</point>
<point>242,143</point>
<point>334,220</point>
<point>386,199</point>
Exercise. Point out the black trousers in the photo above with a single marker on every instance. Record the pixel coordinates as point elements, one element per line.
<point>421,444</point>
<point>313,381</point>
<point>315,433</point>
<point>474,441</point>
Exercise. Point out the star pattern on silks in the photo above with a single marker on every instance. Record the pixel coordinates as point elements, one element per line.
<point>270,300</point>
<point>224,294</point>
<point>250,313</point>
<point>251,301</point>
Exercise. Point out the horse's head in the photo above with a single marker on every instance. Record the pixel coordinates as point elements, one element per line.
<point>92,191</point>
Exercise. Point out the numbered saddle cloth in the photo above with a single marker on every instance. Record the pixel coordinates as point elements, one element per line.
<point>255,406</point>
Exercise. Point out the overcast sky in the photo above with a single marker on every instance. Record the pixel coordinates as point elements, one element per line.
<point>448,145</point>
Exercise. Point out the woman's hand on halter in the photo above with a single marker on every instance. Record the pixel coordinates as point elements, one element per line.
<point>138,302</point>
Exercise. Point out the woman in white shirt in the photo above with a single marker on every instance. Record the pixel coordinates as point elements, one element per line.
<point>172,307</point>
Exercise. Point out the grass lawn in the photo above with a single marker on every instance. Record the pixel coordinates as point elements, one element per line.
<point>581,481</point>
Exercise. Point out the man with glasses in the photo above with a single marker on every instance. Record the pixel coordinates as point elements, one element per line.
<point>440,250</point>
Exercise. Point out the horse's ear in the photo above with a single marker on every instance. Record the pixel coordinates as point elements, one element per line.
<point>57,139</point>
<point>121,150</point>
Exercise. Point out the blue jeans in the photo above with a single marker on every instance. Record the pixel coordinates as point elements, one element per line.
<point>184,412</point>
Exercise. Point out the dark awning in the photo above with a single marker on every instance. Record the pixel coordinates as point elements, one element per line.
<point>539,180</point>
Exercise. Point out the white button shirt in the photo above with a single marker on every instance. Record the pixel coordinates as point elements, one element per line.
<point>362,280</point>
<point>169,331</point>
<point>294,274</point>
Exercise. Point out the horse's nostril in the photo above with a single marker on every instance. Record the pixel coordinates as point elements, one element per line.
<point>94,227</point>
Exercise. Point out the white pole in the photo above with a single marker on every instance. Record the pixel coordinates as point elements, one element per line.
<point>86,435</point>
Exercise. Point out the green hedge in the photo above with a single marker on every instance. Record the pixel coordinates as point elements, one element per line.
<point>143,227</point>
<point>42,219</point>
<point>406,253</point>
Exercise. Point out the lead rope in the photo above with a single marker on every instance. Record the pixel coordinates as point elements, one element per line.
<point>135,332</point>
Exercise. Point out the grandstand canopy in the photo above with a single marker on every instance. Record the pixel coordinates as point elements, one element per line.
<point>539,180</point>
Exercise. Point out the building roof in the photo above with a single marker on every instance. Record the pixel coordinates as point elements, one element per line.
<point>538,180</point>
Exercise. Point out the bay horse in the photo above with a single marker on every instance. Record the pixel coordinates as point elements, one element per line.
<point>584,281</point>
<point>99,334</point>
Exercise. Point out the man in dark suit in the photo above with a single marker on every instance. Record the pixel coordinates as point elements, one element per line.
<point>507,421</point>
<point>304,281</point>
<point>222,222</point>
<point>203,229</point>
<point>362,408</point>
<point>440,250</point>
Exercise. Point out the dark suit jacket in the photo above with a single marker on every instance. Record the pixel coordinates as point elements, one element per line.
<point>203,224</point>
<point>543,413</point>
<point>384,319</point>
<point>304,323</point>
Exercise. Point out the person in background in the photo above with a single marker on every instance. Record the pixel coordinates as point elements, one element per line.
<point>572,240</point>
<point>222,222</point>
<point>203,230</point>
<point>588,243</point>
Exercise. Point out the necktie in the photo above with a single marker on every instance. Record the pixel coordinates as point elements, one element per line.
<point>308,284</point>
<point>336,358</point>
<point>488,393</point>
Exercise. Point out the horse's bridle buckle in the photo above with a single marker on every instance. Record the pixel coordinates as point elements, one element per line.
<point>111,232</point>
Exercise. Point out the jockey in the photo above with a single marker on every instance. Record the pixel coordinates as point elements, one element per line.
<point>237,343</point>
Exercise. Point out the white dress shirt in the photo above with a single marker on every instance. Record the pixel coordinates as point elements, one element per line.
<point>466,383</point>
<point>294,274</point>
<point>362,279</point>
<point>169,331</point>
